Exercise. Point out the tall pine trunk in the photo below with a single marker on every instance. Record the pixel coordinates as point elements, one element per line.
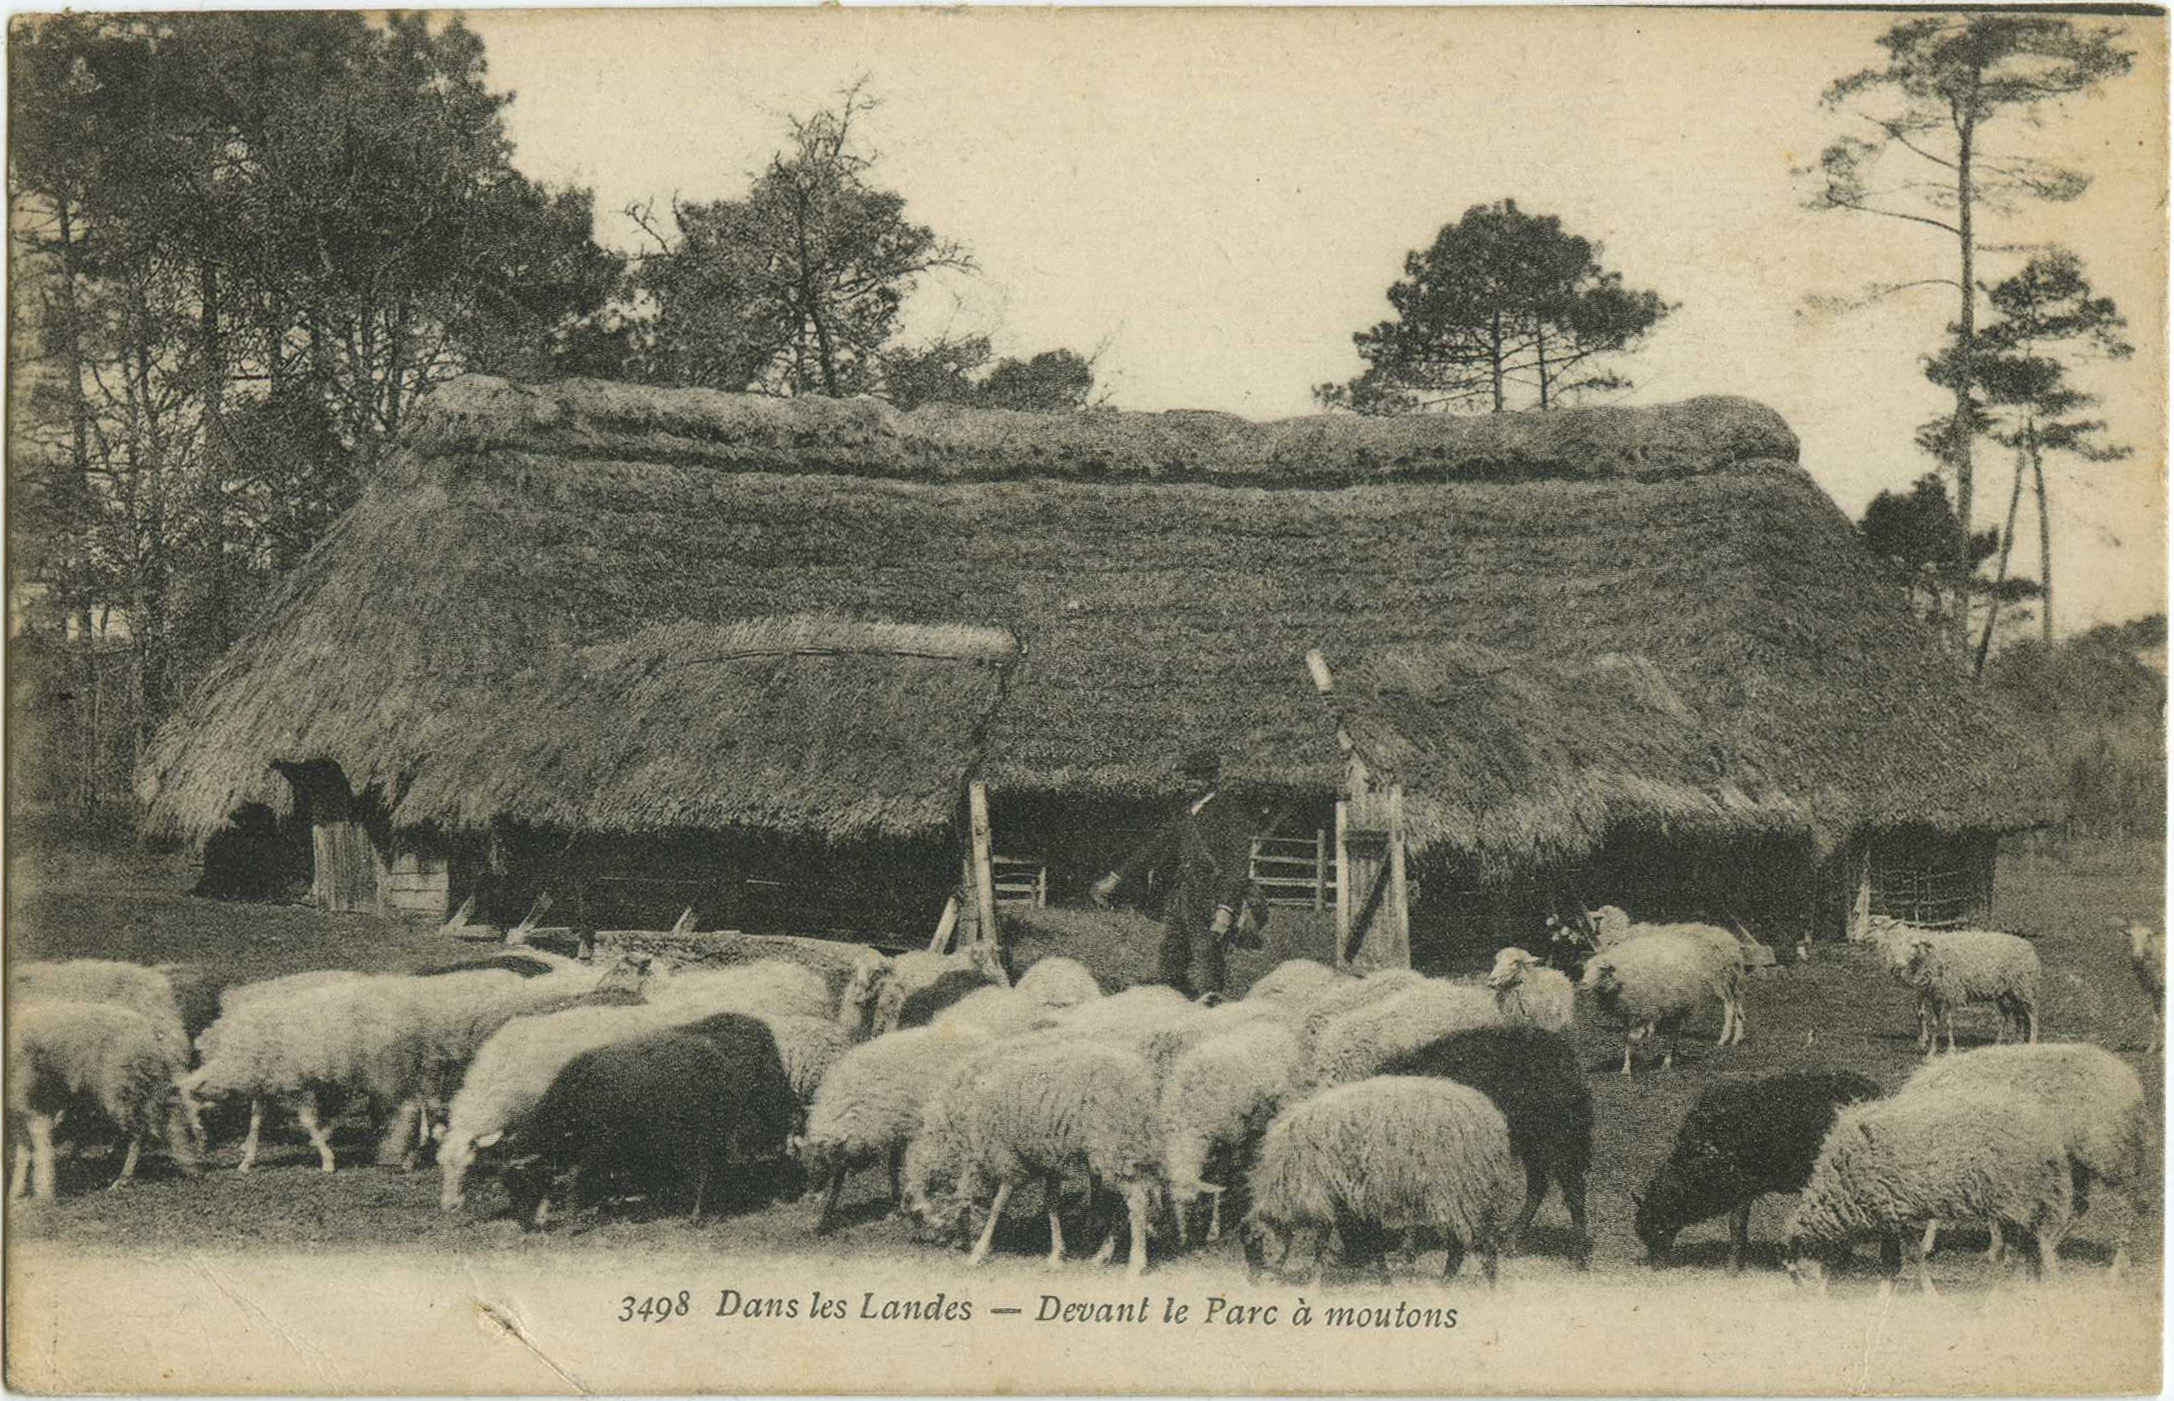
<point>2045,547</point>
<point>1965,117</point>
<point>2007,543</point>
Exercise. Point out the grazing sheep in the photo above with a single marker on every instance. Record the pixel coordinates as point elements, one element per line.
<point>2095,1098</point>
<point>1396,1152</point>
<point>832,961</point>
<point>909,972</point>
<point>869,1105</point>
<point>197,994</point>
<point>1651,984</point>
<point>1314,1011</point>
<point>922,1004</point>
<point>935,1160</point>
<point>2147,954</point>
<point>1956,967</point>
<point>768,988</point>
<point>360,1037</point>
<point>1163,1043</point>
<point>92,1060</point>
<point>1742,1139</point>
<point>1052,1109</point>
<point>1527,990</point>
<point>1890,1166</point>
<point>808,1047</point>
<point>144,991</point>
<point>1361,1042</point>
<point>658,1113</point>
<point>1532,1076</point>
<point>1133,1018</point>
<point>1216,1102</point>
<point>1293,981</point>
<point>1058,982</point>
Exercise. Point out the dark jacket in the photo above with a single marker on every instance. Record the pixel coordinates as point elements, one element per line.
<point>1212,850</point>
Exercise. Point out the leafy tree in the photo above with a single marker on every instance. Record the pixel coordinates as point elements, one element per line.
<point>1915,536</point>
<point>2095,705</point>
<point>1946,80</point>
<point>244,234</point>
<point>1055,381</point>
<point>795,288</point>
<point>1502,298</point>
<point>958,371</point>
<point>2022,399</point>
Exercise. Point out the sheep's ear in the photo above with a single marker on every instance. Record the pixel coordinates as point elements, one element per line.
<point>490,1139</point>
<point>1864,1126</point>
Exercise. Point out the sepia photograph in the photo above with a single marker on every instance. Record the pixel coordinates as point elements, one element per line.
<point>1449,700</point>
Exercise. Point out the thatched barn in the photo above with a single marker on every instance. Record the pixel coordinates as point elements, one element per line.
<point>1607,650</point>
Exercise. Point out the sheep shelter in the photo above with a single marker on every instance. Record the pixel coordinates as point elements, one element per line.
<point>798,663</point>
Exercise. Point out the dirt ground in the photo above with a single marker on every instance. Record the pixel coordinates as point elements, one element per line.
<point>1837,1011</point>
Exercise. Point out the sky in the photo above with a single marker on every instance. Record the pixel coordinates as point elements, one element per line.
<point>1215,200</point>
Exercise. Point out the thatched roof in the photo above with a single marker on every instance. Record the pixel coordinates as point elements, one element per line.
<point>1164,575</point>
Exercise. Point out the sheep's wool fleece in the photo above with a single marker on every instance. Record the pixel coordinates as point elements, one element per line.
<point>514,1067</point>
<point>1361,1042</point>
<point>144,991</point>
<point>1065,1107</point>
<point>1980,965</point>
<point>1894,1164</point>
<point>1058,982</point>
<point>872,1098</point>
<point>771,988</point>
<point>997,1011</point>
<point>1333,1000</point>
<point>1293,981</point>
<point>95,1050</point>
<point>363,1035</point>
<point>1660,978</point>
<point>1397,1150</point>
<point>2095,1097</point>
<point>1223,1088</point>
<point>808,1046</point>
<point>1541,997</point>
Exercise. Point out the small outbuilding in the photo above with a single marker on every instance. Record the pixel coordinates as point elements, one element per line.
<point>601,639</point>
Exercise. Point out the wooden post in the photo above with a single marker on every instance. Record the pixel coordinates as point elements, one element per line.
<point>1396,944</point>
<point>941,943</point>
<point>1320,867</point>
<point>977,808</point>
<point>1860,898</point>
<point>1343,880</point>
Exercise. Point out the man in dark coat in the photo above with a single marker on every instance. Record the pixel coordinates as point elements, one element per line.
<point>1211,844</point>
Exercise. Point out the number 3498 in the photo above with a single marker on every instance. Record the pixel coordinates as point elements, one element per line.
<point>655,1309</point>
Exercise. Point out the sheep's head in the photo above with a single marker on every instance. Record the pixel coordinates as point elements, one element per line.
<point>1917,966</point>
<point>857,1004</point>
<point>1601,976</point>
<point>1509,969</point>
<point>1257,1235</point>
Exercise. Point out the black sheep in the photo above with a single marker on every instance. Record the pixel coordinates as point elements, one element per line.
<point>923,1003</point>
<point>521,964</point>
<point>1742,1139</point>
<point>1533,1078</point>
<point>656,1114</point>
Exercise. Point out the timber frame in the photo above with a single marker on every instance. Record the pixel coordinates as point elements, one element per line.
<point>1373,894</point>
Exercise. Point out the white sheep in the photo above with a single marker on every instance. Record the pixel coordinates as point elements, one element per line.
<point>1217,1099</point>
<point>2096,1100</point>
<point>1313,1012</point>
<point>1058,982</point>
<point>1050,1108</point>
<point>1954,968</point>
<point>997,1011</point>
<point>363,1037</point>
<point>1527,990</point>
<point>869,1105</point>
<point>1651,984</point>
<point>92,1059</point>
<point>2147,955</point>
<point>145,991</point>
<point>1390,1153</point>
<point>1362,1041</point>
<point>909,972</point>
<point>1891,1166</point>
<point>768,988</point>
<point>807,1047</point>
<point>1293,981</point>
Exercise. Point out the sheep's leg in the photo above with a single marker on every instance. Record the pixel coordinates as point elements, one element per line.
<point>1947,1018</point>
<point>256,1130</point>
<point>824,1218</point>
<point>1136,1206</point>
<point>701,1190</point>
<point>1996,1245</point>
<point>20,1181</point>
<point>1626,1052</point>
<point>41,1157</point>
<point>1535,1193</point>
<point>898,1185</point>
<point>1932,1236</point>
<point>1215,1215</point>
<point>1924,1274</point>
<point>1453,1257</point>
<point>392,1145</point>
<point>305,1111</point>
<point>2031,1015</point>
<point>980,1251</point>
<point>1739,1237</point>
<point>1572,1184</point>
<point>1052,1188</point>
<point>128,1163</point>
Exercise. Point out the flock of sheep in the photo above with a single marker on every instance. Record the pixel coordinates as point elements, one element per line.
<point>1394,1111</point>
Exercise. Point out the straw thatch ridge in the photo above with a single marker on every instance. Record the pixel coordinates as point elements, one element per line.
<point>868,438</point>
<point>415,645</point>
<point>1517,763</point>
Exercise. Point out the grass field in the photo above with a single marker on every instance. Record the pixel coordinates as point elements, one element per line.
<point>1838,1011</point>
